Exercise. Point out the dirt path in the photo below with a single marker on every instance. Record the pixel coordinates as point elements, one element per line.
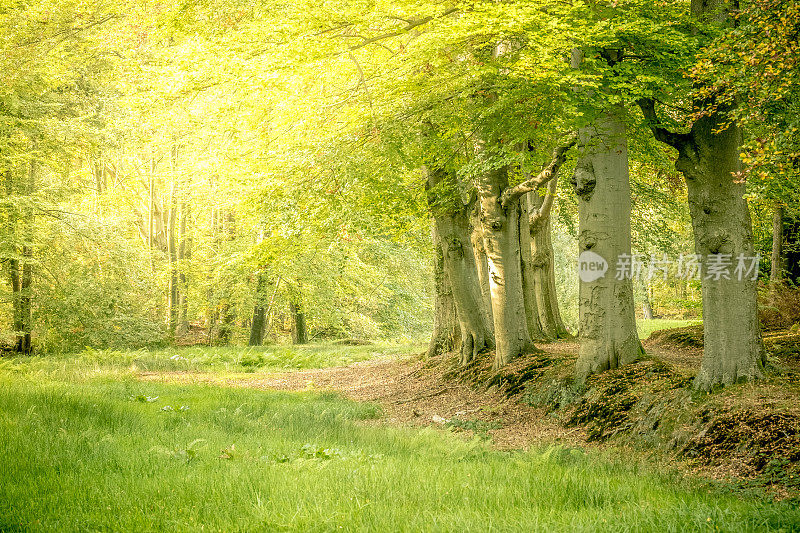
<point>410,394</point>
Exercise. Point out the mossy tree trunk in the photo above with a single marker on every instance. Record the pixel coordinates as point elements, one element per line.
<point>446,331</point>
<point>451,220</point>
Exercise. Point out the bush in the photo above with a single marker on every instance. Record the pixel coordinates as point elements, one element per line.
<point>779,306</point>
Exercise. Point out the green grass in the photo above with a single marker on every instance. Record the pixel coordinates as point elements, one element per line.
<point>212,359</point>
<point>95,450</point>
<point>647,327</point>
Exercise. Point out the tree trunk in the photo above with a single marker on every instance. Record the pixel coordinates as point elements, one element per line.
<point>258,327</point>
<point>776,270</point>
<point>526,269</point>
<point>299,334</point>
<point>446,334</point>
<point>543,264</point>
<point>451,220</point>
<point>481,263</point>
<point>608,337</point>
<point>733,349</point>
<point>151,211</point>
<point>172,255</point>
<point>501,239</point>
<point>708,158</point>
<point>647,308</point>
<point>184,257</point>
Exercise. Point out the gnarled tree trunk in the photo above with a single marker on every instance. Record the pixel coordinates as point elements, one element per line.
<point>708,158</point>
<point>528,279</point>
<point>451,218</point>
<point>481,262</point>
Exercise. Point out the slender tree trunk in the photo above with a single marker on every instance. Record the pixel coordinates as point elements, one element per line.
<point>172,255</point>
<point>544,277</point>
<point>647,308</point>
<point>451,219</point>
<point>184,257</point>
<point>150,210</point>
<point>299,333</point>
<point>532,312</point>
<point>259,323</point>
<point>776,271</point>
<point>501,239</point>
<point>446,333</point>
<point>608,337</point>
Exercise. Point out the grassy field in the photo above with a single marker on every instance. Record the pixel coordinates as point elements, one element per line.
<point>84,446</point>
<point>647,327</point>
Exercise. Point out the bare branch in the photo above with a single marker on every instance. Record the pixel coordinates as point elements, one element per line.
<point>676,140</point>
<point>559,156</point>
<point>407,28</point>
<point>543,213</point>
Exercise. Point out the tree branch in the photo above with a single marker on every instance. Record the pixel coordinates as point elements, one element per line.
<point>543,213</point>
<point>676,140</point>
<point>407,28</point>
<point>559,156</point>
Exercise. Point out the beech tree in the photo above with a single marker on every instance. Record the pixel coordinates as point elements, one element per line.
<point>708,158</point>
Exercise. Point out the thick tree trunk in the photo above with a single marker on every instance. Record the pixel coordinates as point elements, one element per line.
<point>608,337</point>
<point>708,158</point>
<point>543,265</point>
<point>733,349</point>
<point>446,332</point>
<point>501,239</point>
<point>299,333</point>
<point>451,221</point>
<point>776,270</point>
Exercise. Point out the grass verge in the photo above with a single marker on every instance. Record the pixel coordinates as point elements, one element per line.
<point>111,453</point>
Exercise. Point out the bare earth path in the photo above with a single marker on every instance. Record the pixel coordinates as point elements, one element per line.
<point>410,394</point>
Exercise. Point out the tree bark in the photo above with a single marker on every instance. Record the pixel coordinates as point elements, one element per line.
<point>530,300</point>
<point>543,264</point>
<point>608,337</point>
<point>446,333</point>
<point>708,158</point>
<point>481,263</point>
<point>776,270</point>
<point>258,326</point>
<point>501,238</point>
<point>451,220</point>
<point>172,255</point>
<point>647,308</point>
<point>299,333</point>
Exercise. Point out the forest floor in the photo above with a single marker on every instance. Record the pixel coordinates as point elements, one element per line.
<point>748,434</point>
